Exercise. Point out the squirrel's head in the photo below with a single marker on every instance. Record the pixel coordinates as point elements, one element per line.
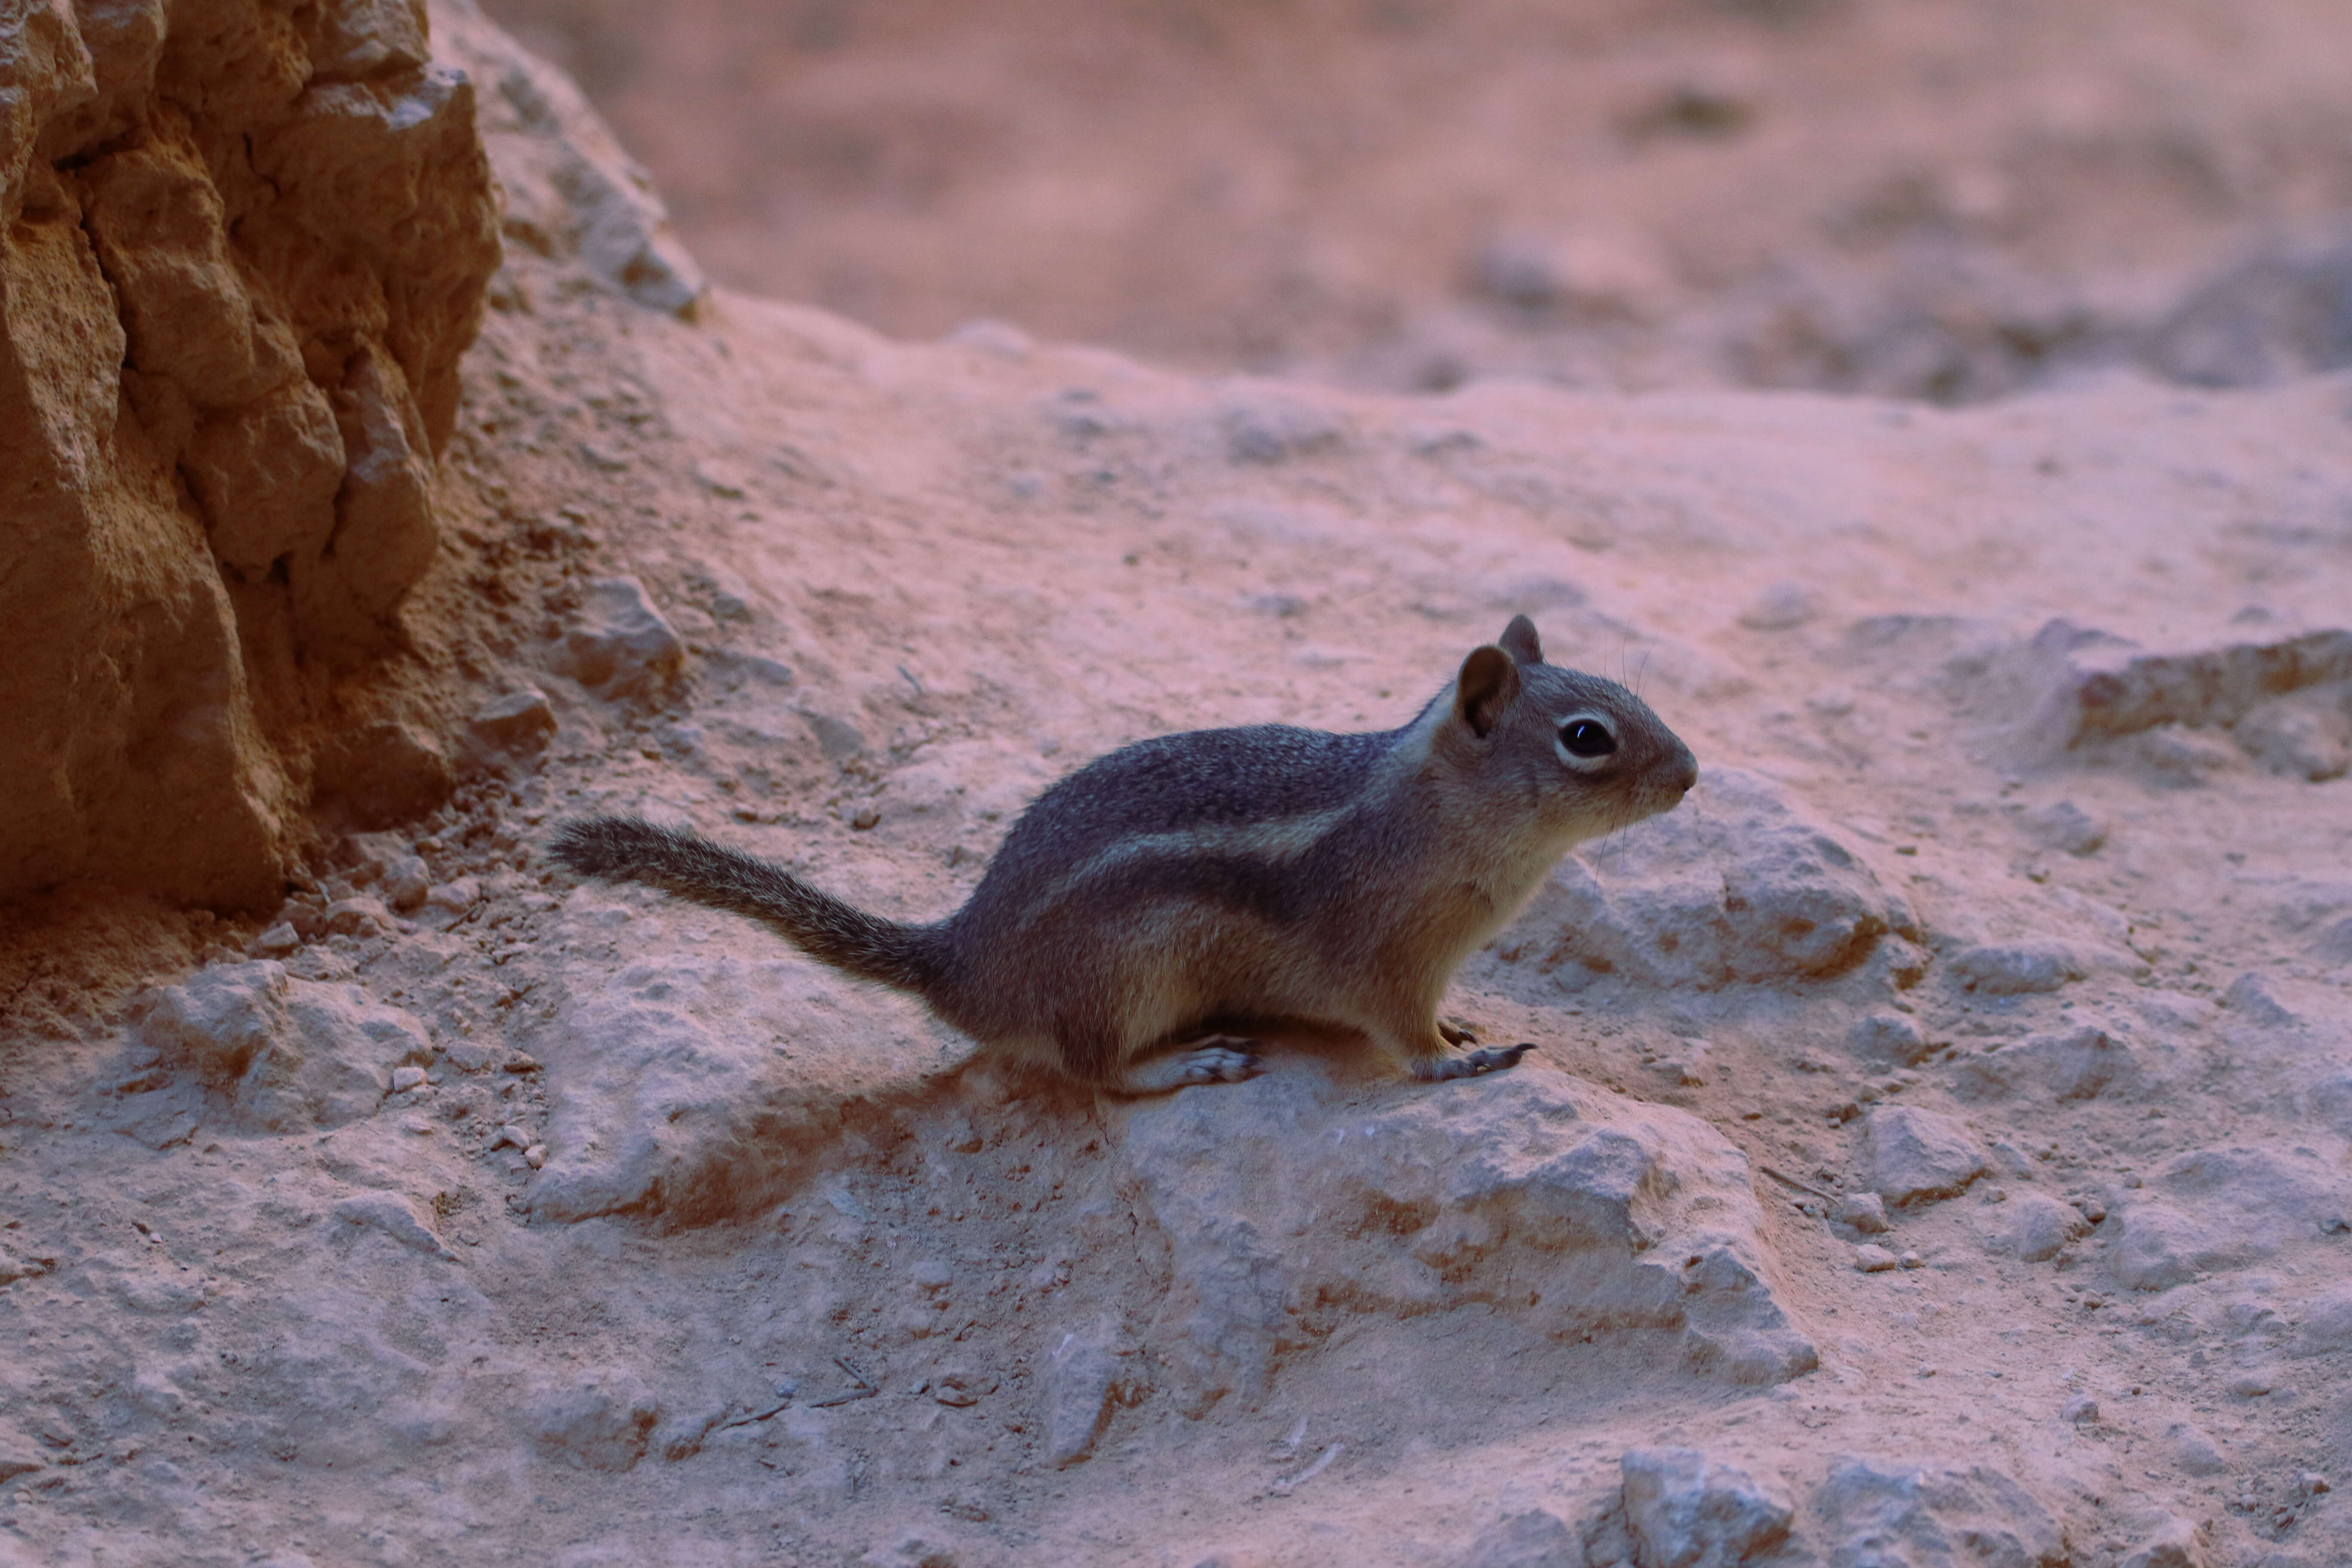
<point>1588,754</point>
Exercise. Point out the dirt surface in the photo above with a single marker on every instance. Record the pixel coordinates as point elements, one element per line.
<point>1948,199</point>
<point>455,1212</point>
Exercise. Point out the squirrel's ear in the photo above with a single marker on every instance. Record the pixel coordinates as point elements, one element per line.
<point>1489,683</point>
<point>1519,640</point>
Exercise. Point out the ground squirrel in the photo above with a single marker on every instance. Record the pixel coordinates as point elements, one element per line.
<point>1144,911</point>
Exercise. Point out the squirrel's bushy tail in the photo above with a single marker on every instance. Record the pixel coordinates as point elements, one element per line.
<point>631,849</point>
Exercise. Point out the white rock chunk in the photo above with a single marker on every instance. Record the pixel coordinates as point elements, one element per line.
<point>401,1218</point>
<point>2016,968</point>
<point>1601,1211</point>
<point>287,1055</point>
<point>2195,1452</point>
<point>2089,685</point>
<point>1534,1539</point>
<point>1085,1379</point>
<point>2211,1210</point>
<point>1888,1038</point>
<point>1866,1212</point>
<point>1738,885</point>
<point>2036,1228</point>
<point>1913,1154</point>
<point>2175,1543</point>
<point>2326,1323</point>
<point>602,1423</point>
<point>655,1074</point>
<point>563,175</point>
<point>620,645</point>
<point>1685,1510</point>
<point>1924,1514</point>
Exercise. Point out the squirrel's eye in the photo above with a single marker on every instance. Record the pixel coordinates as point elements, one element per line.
<point>1587,738</point>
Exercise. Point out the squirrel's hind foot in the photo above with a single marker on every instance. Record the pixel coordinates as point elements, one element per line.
<point>1220,1059</point>
<point>1471,1064</point>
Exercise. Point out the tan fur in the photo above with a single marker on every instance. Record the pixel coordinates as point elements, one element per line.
<point>1200,881</point>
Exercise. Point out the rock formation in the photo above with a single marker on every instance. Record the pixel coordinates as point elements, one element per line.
<point>241,250</point>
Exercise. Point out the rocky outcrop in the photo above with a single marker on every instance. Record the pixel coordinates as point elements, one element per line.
<point>241,250</point>
<point>1540,1197</point>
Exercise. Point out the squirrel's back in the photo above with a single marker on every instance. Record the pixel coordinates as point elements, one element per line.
<point>1260,872</point>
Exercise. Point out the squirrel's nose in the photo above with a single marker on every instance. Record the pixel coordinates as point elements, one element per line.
<point>1685,771</point>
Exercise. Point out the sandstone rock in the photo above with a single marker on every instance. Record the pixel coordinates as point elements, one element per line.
<point>513,724</point>
<point>356,39</point>
<point>406,881</point>
<point>2036,1228</point>
<point>570,190</point>
<point>2175,1543</point>
<point>2193,1451</point>
<point>1685,1510</point>
<point>357,916</point>
<point>921,1548</point>
<point>1083,1380</point>
<point>2211,1210</point>
<point>1913,1155</point>
<point>2305,736</point>
<point>1267,424</point>
<point>1888,1038</point>
<point>400,1218</point>
<point>2015,968</point>
<point>1866,1212</point>
<point>278,326</point>
<point>1534,1539</point>
<point>2085,684</point>
<point>285,1055</point>
<point>2065,825</point>
<point>379,773</point>
<point>340,1376</point>
<point>1923,1514</point>
<point>2081,1063</point>
<point>2326,1322</point>
<point>1602,1213</point>
<point>2253,998</point>
<point>602,1423</point>
<point>1780,607</point>
<point>620,645</point>
<point>663,1070</point>
<point>1736,885</point>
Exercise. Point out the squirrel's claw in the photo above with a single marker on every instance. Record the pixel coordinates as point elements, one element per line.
<point>1473,1064</point>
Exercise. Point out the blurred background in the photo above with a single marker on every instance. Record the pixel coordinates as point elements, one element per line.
<point>1941,199</point>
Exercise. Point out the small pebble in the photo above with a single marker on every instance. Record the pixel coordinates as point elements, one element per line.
<point>1913,1260</point>
<point>931,1274</point>
<point>406,883</point>
<point>2079,1410</point>
<point>535,1156</point>
<point>278,941</point>
<point>512,1134</point>
<point>1873,1259</point>
<point>1866,1212</point>
<point>2251,1385</point>
<point>405,1079</point>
